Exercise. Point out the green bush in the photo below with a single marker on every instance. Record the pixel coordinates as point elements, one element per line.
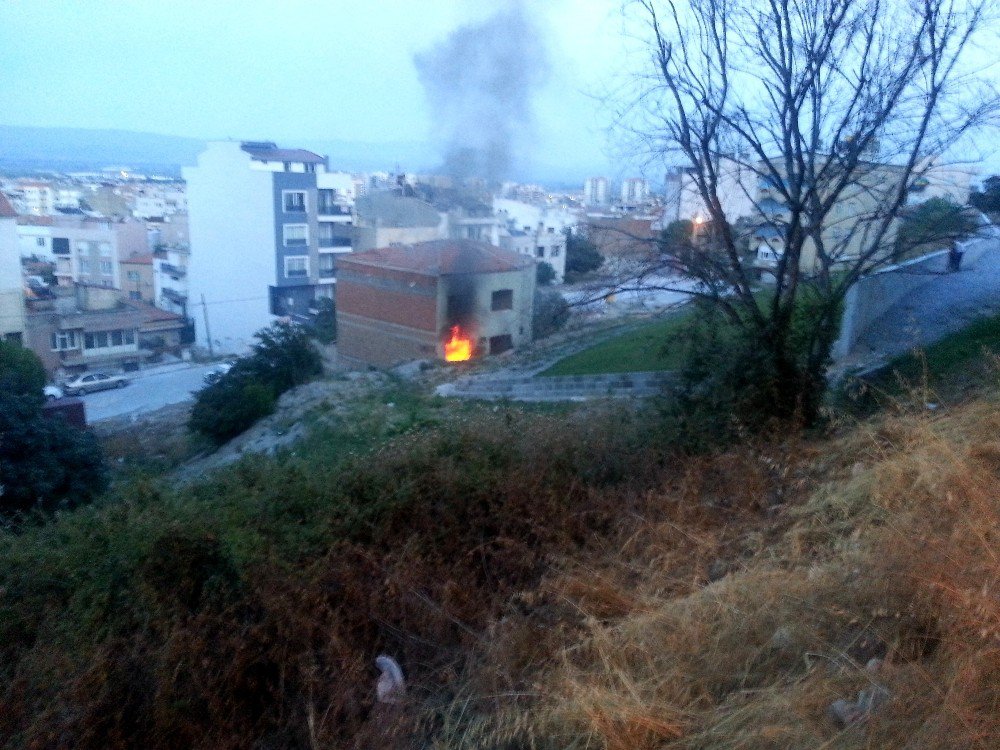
<point>21,372</point>
<point>545,274</point>
<point>45,464</point>
<point>324,326</point>
<point>582,257</point>
<point>282,358</point>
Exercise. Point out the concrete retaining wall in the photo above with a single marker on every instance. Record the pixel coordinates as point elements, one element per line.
<point>562,388</point>
<point>870,297</point>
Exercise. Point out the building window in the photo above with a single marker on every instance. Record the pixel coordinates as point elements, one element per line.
<point>106,267</point>
<point>40,241</point>
<point>555,251</point>
<point>287,166</point>
<point>540,251</point>
<point>84,265</point>
<point>97,340</point>
<point>500,344</point>
<point>135,296</point>
<point>63,340</point>
<point>326,201</point>
<point>60,245</point>
<point>105,249</point>
<point>502,299</point>
<point>133,275</point>
<point>310,168</point>
<point>327,267</point>
<point>106,339</point>
<point>296,266</point>
<point>296,234</point>
<point>295,201</point>
<point>552,230</point>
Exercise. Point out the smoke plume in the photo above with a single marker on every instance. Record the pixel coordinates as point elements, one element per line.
<point>480,83</point>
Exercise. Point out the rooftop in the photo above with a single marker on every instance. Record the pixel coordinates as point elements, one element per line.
<point>441,257</point>
<point>266,151</point>
<point>386,209</point>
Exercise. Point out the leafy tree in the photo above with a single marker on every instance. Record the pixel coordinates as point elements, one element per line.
<point>545,274</point>
<point>835,108</point>
<point>282,358</point>
<point>45,464</point>
<point>987,200</point>
<point>677,238</point>
<point>21,371</point>
<point>551,313</point>
<point>582,257</point>
<point>932,224</point>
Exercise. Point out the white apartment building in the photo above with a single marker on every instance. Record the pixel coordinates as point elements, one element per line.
<point>256,218</point>
<point>170,280</point>
<point>634,191</point>
<point>737,189</point>
<point>11,282</point>
<point>596,191</point>
<point>159,201</point>
<point>85,250</point>
<point>539,231</point>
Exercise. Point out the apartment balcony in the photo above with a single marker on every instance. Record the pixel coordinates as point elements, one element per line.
<point>335,244</point>
<point>328,273</point>
<point>333,209</point>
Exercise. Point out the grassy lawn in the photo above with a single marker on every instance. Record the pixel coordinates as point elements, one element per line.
<point>646,348</point>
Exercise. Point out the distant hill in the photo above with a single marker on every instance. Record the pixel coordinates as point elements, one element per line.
<point>81,149</point>
<point>69,149</point>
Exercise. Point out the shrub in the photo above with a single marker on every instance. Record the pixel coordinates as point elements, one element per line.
<point>582,257</point>
<point>545,274</point>
<point>230,406</point>
<point>44,463</point>
<point>551,313</point>
<point>282,358</point>
<point>324,325</point>
<point>21,372</point>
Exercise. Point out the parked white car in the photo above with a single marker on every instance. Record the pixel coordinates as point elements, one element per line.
<point>93,381</point>
<point>52,392</point>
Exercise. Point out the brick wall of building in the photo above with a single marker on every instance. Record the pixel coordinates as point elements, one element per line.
<point>383,344</point>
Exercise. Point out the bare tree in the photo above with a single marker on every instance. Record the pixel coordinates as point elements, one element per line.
<point>829,110</point>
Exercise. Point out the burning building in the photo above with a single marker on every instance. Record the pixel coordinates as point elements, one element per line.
<point>444,299</point>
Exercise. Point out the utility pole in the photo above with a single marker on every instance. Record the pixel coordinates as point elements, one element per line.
<point>208,332</point>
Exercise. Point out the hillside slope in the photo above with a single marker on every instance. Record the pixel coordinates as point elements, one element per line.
<point>547,577</point>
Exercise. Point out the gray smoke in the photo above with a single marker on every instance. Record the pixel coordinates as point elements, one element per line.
<point>480,83</point>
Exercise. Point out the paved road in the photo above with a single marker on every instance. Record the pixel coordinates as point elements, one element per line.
<point>948,304</point>
<point>148,391</point>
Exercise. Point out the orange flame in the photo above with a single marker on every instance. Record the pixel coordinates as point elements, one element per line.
<point>458,348</point>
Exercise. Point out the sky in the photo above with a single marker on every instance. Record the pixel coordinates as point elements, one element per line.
<point>290,71</point>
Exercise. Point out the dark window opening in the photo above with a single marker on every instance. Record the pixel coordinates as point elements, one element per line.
<point>295,202</point>
<point>502,299</point>
<point>500,344</point>
<point>60,245</point>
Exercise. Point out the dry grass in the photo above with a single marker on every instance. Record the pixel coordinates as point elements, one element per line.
<point>882,543</point>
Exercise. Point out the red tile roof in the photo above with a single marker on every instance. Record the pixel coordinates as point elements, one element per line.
<point>440,258</point>
<point>6,210</point>
<point>150,314</point>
